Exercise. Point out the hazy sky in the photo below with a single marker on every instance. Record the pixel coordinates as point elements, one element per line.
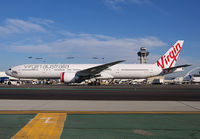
<point>107,29</point>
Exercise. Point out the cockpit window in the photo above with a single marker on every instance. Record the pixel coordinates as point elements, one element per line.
<point>9,69</point>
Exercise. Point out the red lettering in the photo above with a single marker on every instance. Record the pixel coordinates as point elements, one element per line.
<point>177,46</point>
<point>174,49</point>
<point>166,61</point>
<point>170,58</point>
<point>172,55</point>
<point>161,65</point>
<point>175,58</point>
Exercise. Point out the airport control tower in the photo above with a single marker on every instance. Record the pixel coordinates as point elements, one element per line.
<point>143,53</point>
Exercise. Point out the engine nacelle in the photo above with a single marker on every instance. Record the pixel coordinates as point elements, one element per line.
<point>68,77</point>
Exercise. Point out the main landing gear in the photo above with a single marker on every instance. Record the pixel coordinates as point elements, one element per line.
<point>94,83</point>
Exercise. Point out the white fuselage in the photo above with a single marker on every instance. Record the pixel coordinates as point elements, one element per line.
<point>53,71</point>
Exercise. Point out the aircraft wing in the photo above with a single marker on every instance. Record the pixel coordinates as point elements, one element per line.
<point>97,69</point>
<point>174,69</point>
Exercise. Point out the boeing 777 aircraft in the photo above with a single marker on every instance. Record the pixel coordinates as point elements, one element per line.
<point>76,73</point>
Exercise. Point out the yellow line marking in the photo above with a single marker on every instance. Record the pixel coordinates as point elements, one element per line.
<point>43,125</point>
<point>101,112</point>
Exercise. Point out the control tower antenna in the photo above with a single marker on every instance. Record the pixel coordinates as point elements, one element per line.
<point>143,53</point>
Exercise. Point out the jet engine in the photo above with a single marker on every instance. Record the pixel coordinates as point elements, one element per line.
<point>68,77</point>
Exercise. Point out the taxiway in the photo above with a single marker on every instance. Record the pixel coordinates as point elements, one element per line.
<point>139,92</point>
<point>160,98</point>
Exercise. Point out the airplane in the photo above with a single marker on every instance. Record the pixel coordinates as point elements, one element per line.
<point>76,73</point>
<point>4,78</point>
<point>195,78</point>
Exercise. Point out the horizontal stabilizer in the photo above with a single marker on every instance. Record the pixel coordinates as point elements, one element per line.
<point>174,69</point>
<point>181,66</point>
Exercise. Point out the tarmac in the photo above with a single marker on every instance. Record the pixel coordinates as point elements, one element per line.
<point>100,98</point>
<point>101,126</point>
<point>107,112</point>
<point>82,106</point>
<point>136,92</point>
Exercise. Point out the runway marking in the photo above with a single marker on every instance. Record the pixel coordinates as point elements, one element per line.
<point>99,112</point>
<point>43,125</point>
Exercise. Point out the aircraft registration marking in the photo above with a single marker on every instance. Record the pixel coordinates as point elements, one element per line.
<point>43,125</point>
